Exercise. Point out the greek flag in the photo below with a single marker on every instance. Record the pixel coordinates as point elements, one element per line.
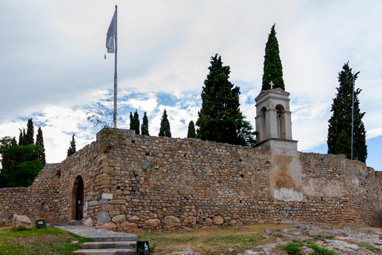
<point>111,35</point>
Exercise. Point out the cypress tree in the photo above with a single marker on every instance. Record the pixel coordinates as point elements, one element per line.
<point>136,122</point>
<point>220,118</point>
<point>40,142</point>
<point>339,132</point>
<point>191,130</point>
<point>145,125</point>
<point>24,137</point>
<point>164,126</point>
<point>72,148</point>
<point>29,138</point>
<point>273,70</point>
<point>131,121</point>
<point>21,137</point>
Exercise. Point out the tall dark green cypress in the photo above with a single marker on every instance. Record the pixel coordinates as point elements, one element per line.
<point>145,125</point>
<point>273,70</point>
<point>29,138</point>
<point>220,118</point>
<point>21,137</point>
<point>191,130</point>
<point>72,147</point>
<point>136,122</point>
<point>24,137</point>
<point>164,126</point>
<point>132,123</point>
<point>40,142</point>
<point>339,132</point>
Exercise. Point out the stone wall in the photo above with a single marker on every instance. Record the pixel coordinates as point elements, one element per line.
<point>86,163</point>
<point>135,181</point>
<point>40,200</point>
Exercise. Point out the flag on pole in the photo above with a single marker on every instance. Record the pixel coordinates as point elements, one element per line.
<point>112,34</point>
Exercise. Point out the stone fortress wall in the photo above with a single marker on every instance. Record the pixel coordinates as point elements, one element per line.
<point>140,181</point>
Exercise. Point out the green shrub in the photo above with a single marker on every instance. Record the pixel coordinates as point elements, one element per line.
<point>320,251</point>
<point>294,249</point>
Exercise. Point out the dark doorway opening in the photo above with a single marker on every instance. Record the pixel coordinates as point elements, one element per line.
<point>78,199</point>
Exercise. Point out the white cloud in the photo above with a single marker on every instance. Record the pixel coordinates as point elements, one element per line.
<point>147,105</point>
<point>54,65</point>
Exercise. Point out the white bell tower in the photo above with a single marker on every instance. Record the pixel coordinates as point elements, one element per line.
<point>273,121</point>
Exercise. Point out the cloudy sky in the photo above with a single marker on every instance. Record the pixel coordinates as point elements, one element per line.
<point>52,65</point>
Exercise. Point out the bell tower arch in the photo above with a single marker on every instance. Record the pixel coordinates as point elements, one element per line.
<point>273,120</point>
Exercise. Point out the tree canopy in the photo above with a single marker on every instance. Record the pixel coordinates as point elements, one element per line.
<point>191,133</point>
<point>145,125</point>
<point>134,122</point>
<point>20,163</point>
<point>273,70</point>
<point>340,124</point>
<point>30,132</point>
<point>40,142</point>
<point>164,126</point>
<point>72,148</point>
<point>220,118</point>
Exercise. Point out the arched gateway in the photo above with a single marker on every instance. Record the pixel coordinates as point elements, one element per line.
<point>77,201</point>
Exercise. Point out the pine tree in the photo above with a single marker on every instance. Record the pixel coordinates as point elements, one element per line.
<point>164,126</point>
<point>220,118</point>
<point>339,132</point>
<point>145,125</point>
<point>191,130</point>
<point>72,148</point>
<point>40,142</point>
<point>29,138</point>
<point>273,70</point>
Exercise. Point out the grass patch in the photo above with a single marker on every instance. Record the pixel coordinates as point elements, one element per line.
<point>225,240</point>
<point>294,249</point>
<point>369,247</point>
<point>45,241</point>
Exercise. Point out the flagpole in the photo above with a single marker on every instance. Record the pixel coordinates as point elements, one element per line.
<point>115,71</point>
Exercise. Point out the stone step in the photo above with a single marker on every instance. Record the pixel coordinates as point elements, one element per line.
<point>109,245</point>
<point>105,252</point>
<point>99,235</point>
<point>114,238</point>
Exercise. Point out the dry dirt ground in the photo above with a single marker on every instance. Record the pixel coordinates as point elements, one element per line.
<point>266,239</point>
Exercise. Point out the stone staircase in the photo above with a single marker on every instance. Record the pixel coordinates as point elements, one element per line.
<point>107,248</point>
<point>105,242</point>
